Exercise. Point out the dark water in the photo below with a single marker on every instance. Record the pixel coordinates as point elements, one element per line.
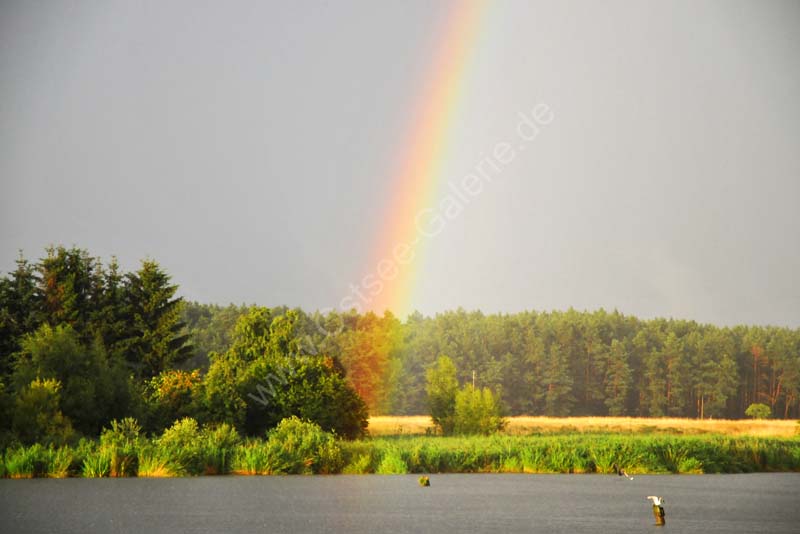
<point>727,504</point>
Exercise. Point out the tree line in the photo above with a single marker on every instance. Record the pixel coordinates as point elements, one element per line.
<point>83,343</point>
<point>560,363</point>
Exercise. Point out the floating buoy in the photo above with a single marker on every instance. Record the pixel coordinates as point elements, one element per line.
<point>424,481</point>
<point>658,509</point>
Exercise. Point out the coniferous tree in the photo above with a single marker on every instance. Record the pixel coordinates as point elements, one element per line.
<point>618,377</point>
<point>68,286</point>
<point>18,311</point>
<point>158,340</point>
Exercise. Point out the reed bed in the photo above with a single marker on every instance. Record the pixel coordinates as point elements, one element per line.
<point>296,447</point>
<point>584,453</point>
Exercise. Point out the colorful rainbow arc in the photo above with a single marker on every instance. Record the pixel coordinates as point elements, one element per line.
<point>416,182</point>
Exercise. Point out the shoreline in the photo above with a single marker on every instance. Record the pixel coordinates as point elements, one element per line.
<point>577,453</point>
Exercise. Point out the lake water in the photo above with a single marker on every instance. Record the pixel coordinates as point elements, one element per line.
<point>370,503</point>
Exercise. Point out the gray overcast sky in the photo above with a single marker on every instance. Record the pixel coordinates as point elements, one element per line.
<point>249,148</point>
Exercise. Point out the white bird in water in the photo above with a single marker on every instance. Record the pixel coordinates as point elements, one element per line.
<point>658,509</point>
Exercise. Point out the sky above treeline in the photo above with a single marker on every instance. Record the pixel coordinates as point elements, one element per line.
<point>417,155</point>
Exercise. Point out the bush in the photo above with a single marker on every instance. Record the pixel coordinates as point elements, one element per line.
<point>186,449</point>
<point>477,412</point>
<point>172,395</point>
<point>300,447</point>
<point>359,465</point>
<point>219,447</point>
<point>758,410</point>
<point>121,442</point>
<point>27,462</point>
<point>183,445</point>
<point>38,418</point>
<point>392,464</point>
<point>251,458</point>
<point>153,462</point>
<point>442,388</point>
<point>59,462</point>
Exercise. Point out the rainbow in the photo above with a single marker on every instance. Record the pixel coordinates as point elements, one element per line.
<point>397,256</point>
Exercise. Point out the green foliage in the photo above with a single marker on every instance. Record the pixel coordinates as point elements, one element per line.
<point>97,464</point>
<point>27,462</point>
<point>301,447</point>
<point>59,462</point>
<point>392,463</point>
<point>82,344</point>
<point>159,342</point>
<point>297,447</point>
<point>573,453</point>
<point>37,416</point>
<point>182,443</point>
<point>758,410</point>
<point>293,447</point>
<point>172,395</point>
<point>477,412</point>
<point>210,328</point>
<point>185,448</point>
<point>618,379</point>
<point>122,442</point>
<point>92,386</point>
<point>256,384</point>
<point>219,448</point>
<point>442,386</point>
<point>18,304</point>
<point>153,462</point>
<point>359,465</point>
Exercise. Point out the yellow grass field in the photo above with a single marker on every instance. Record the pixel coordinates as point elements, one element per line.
<point>386,425</point>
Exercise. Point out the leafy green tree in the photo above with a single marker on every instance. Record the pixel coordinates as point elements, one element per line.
<point>262,380</point>
<point>477,412</point>
<point>442,388</point>
<point>366,352</point>
<point>93,389</point>
<point>308,387</point>
<point>758,410</point>
<point>173,395</point>
<point>210,328</point>
<point>37,415</point>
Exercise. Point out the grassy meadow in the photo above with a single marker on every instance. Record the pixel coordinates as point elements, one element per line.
<point>391,425</point>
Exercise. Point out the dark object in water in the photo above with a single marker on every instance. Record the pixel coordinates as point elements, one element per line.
<point>658,510</point>
<point>424,481</point>
<point>621,472</point>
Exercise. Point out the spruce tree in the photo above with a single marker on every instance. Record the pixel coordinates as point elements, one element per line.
<point>158,339</point>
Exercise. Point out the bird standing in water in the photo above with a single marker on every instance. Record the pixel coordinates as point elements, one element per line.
<point>658,509</point>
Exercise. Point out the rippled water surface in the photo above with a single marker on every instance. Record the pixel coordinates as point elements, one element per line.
<point>453,503</point>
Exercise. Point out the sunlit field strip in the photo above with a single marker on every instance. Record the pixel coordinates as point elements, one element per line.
<point>522,425</point>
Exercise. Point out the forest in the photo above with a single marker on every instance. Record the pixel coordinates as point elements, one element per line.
<point>83,343</point>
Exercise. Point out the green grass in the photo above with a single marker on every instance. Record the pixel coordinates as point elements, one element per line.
<point>97,464</point>
<point>37,461</point>
<point>583,453</point>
